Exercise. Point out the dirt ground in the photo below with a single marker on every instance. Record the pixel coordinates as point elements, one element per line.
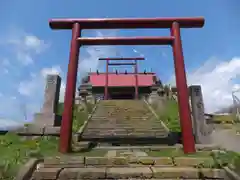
<point>227,136</point>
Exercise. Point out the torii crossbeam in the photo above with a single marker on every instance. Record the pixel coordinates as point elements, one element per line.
<point>174,24</point>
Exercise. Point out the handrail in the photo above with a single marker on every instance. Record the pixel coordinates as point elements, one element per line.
<point>82,128</point>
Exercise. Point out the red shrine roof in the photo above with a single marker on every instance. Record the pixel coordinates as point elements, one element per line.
<point>121,79</point>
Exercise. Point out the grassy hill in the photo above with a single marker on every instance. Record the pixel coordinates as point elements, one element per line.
<point>169,115</point>
<point>16,150</point>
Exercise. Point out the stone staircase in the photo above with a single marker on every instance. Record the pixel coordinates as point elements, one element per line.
<point>125,120</point>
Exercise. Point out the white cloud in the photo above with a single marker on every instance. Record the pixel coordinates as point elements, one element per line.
<point>51,71</point>
<point>34,43</point>
<point>25,58</point>
<point>24,45</point>
<point>23,49</point>
<point>217,79</point>
<point>8,123</point>
<point>37,82</point>
<point>35,86</point>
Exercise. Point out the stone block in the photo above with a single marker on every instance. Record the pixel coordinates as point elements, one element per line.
<point>46,173</point>
<point>163,161</point>
<point>82,173</point>
<point>51,95</point>
<point>118,161</point>
<point>51,130</point>
<point>201,129</point>
<point>207,147</point>
<point>193,161</point>
<point>26,170</point>
<point>139,153</point>
<point>31,130</point>
<point>172,172</point>
<point>96,161</point>
<point>43,119</point>
<point>64,162</point>
<point>111,153</point>
<point>212,173</point>
<point>146,160</point>
<point>129,172</point>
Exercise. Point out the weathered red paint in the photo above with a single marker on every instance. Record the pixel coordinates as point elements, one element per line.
<point>121,79</point>
<point>182,91</point>
<point>126,41</point>
<point>136,79</point>
<point>66,126</point>
<point>128,23</point>
<point>110,23</point>
<point>106,85</point>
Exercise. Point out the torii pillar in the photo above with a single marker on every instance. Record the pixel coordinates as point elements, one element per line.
<point>128,23</point>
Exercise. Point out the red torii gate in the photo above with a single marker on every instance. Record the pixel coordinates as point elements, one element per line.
<point>122,64</point>
<point>127,23</point>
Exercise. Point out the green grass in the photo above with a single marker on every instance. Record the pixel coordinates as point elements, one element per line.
<point>220,158</point>
<point>169,115</point>
<point>228,158</point>
<point>15,151</point>
<point>228,119</point>
<point>79,115</point>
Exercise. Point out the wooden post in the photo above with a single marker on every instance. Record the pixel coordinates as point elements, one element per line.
<point>66,124</point>
<point>182,91</point>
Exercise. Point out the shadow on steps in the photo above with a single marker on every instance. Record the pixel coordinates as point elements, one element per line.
<point>172,139</point>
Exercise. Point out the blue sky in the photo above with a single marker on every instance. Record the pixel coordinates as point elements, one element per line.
<point>29,49</point>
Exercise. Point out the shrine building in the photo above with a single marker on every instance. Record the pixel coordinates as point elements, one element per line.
<point>120,85</point>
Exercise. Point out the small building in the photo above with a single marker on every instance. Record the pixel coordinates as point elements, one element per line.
<point>120,85</point>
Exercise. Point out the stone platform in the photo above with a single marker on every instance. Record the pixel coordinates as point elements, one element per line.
<point>124,164</point>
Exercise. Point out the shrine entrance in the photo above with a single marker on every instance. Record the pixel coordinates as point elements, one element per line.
<point>174,24</point>
<point>122,93</point>
<point>119,95</point>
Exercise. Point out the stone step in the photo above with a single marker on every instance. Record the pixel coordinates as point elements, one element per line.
<point>122,134</point>
<point>125,121</point>
<point>124,126</point>
<point>121,157</point>
<point>124,117</point>
<point>126,129</point>
<point>125,105</point>
<point>127,173</point>
<point>121,164</point>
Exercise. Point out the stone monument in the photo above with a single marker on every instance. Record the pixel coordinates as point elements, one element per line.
<point>201,129</point>
<point>47,115</point>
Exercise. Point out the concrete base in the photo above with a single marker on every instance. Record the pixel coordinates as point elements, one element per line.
<point>42,119</point>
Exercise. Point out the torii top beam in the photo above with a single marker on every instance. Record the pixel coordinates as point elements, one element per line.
<point>127,23</point>
<point>121,59</point>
